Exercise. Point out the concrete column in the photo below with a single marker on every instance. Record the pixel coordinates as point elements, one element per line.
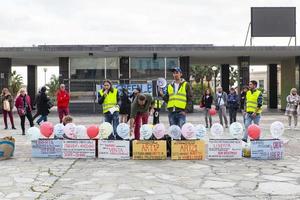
<point>32,82</point>
<point>288,78</point>
<point>243,66</point>
<point>64,71</point>
<point>298,73</point>
<point>272,86</point>
<point>5,70</point>
<point>185,66</point>
<point>225,77</point>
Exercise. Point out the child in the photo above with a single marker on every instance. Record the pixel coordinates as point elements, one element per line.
<point>67,119</point>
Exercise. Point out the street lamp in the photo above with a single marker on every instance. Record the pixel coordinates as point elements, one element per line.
<point>45,70</point>
<point>214,68</point>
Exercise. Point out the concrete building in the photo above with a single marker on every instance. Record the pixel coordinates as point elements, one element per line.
<point>81,67</point>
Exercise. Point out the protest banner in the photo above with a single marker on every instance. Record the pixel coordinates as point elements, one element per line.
<point>271,149</point>
<point>149,150</point>
<point>113,149</point>
<point>187,150</point>
<point>79,148</point>
<point>224,149</point>
<point>46,148</point>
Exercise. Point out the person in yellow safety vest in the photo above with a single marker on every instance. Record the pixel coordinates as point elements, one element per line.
<point>157,106</point>
<point>253,104</point>
<point>108,97</point>
<point>178,97</point>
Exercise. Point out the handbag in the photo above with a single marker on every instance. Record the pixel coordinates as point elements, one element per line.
<point>6,105</point>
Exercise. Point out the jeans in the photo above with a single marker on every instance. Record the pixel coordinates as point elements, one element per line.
<point>248,121</point>
<point>140,117</point>
<point>10,114</point>
<point>208,117</point>
<point>295,120</point>
<point>62,112</point>
<point>42,118</point>
<point>177,118</point>
<point>29,117</point>
<point>222,114</point>
<point>113,119</point>
<point>232,115</point>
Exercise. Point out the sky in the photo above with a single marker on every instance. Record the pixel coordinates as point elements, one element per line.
<point>218,22</point>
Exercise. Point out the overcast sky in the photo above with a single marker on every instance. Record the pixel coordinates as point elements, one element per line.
<point>218,22</point>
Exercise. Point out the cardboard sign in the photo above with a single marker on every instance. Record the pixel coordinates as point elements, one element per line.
<point>113,149</point>
<point>79,149</point>
<point>267,149</point>
<point>225,149</point>
<point>46,148</point>
<point>149,150</point>
<point>187,150</point>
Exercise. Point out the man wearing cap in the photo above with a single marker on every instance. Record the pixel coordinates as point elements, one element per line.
<point>178,96</point>
<point>141,107</point>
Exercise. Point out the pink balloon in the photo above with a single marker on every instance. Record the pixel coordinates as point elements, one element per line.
<point>212,111</point>
<point>254,131</point>
<point>70,131</point>
<point>188,131</point>
<point>159,131</point>
<point>92,131</point>
<point>46,129</point>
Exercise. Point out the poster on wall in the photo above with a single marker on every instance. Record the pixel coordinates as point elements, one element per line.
<point>271,149</point>
<point>46,148</point>
<point>224,149</point>
<point>79,149</point>
<point>113,149</point>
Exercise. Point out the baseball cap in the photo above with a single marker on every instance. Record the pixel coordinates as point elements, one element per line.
<point>177,69</point>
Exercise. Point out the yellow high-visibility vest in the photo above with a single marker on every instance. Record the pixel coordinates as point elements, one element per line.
<point>158,103</point>
<point>177,100</point>
<point>251,101</point>
<point>110,100</point>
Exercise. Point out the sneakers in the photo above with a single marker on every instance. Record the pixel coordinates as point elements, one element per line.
<point>14,128</point>
<point>289,127</point>
<point>245,140</point>
<point>5,128</point>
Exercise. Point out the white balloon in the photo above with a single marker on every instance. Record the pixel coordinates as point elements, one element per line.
<point>58,130</point>
<point>174,132</point>
<point>236,130</point>
<point>188,131</point>
<point>81,133</point>
<point>277,129</point>
<point>200,131</point>
<point>34,133</point>
<point>70,130</point>
<point>159,131</point>
<point>146,132</point>
<point>105,130</point>
<point>217,130</point>
<point>123,130</point>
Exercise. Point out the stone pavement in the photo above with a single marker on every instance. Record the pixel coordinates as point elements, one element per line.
<point>23,177</point>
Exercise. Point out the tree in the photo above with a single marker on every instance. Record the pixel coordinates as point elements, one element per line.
<point>53,86</point>
<point>15,83</point>
<point>233,75</point>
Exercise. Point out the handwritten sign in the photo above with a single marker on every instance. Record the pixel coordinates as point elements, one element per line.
<point>79,149</point>
<point>113,149</point>
<point>46,148</point>
<point>188,150</point>
<point>149,150</point>
<point>267,149</point>
<point>225,149</point>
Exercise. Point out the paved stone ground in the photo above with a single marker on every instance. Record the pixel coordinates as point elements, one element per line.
<point>23,177</point>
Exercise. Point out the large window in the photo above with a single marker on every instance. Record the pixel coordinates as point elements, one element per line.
<point>87,68</point>
<point>171,63</point>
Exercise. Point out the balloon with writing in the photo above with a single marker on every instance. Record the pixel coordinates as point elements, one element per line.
<point>105,130</point>
<point>146,132</point>
<point>217,130</point>
<point>254,131</point>
<point>174,132</point>
<point>34,133</point>
<point>81,132</point>
<point>188,131</point>
<point>236,130</point>
<point>159,131</point>
<point>200,131</point>
<point>277,129</point>
<point>70,131</point>
<point>59,131</point>
<point>123,130</point>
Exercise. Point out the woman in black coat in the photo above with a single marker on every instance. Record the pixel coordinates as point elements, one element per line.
<point>207,100</point>
<point>125,106</point>
<point>43,106</point>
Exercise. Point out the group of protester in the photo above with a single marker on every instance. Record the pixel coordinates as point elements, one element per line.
<point>137,107</point>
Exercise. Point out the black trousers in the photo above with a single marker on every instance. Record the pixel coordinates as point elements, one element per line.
<point>29,117</point>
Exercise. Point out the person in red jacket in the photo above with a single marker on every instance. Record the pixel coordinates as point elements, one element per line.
<point>63,99</point>
<point>23,105</point>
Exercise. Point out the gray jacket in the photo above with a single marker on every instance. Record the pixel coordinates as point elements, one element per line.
<point>224,97</point>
